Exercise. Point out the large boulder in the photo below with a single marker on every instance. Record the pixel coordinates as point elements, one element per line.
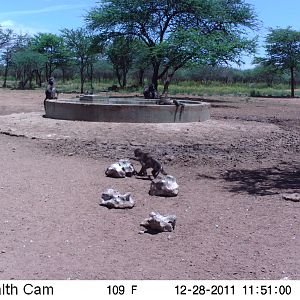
<point>113,199</point>
<point>121,169</point>
<point>159,223</point>
<point>166,187</point>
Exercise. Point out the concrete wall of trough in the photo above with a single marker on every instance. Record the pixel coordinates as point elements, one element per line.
<point>127,113</point>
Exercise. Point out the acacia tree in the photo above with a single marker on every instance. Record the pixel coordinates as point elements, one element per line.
<point>15,43</point>
<point>141,61</point>
<point>82,48</point>
<point>5,36</point>
<point>178,32</point>
<point>50,45</point>
<point>283,52</point>
<point>6,42</point>
<point>26,63</point>
<point>121,55</point>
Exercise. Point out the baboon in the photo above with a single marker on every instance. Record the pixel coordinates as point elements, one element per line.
<point>178,103</point>
<point>168,101</point>
<point>147,161</point>
<point>164,101</point>
<point>51,92</point>
<point>150,92</point>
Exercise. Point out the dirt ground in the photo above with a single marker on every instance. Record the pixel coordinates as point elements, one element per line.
<point>232,221</point>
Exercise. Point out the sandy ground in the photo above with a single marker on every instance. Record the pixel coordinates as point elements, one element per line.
<point>232,221</point>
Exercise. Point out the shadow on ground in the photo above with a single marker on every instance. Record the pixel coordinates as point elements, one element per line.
<point>264,181</point>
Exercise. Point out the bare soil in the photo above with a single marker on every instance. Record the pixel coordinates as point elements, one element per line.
<point>232,221</point>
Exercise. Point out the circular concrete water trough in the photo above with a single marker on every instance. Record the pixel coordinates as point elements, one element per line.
<point>125,110</point>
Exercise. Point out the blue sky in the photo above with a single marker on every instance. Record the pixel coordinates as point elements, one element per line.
<point>34,16</point>
<point>274,13</point>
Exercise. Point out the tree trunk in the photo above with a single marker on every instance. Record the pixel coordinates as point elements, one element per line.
<point>155,75</point>
<point>30,80</point>
<point>292,82</point>
<point>63,75</point>
<point>92,78</point>
<point>5,75</point>
<point>141,77</point>
<point>81,75</point>
<point>119,77</point>
<point>47,73</point>
<point>50,69</point>
<point>81,80</point>
<point>39,78</point>
<point>124,78</point>
<point>166,85</point>
<point>168,80</point>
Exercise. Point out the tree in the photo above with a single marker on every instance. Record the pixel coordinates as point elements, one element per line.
<point>80,44</point>
<point>51,46</point>
<point>6,42</point>
<point>283,52</point>
<point>265,71</point>
<point>178,32</point>
<point>5,36</point>
<point>121,55</point>
<point>15,42</point>
<point>141,62</point>
<point>26,63</point>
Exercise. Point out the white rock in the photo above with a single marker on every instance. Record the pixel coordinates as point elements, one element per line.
<point>295,197</point>
<point>159,223</point>
<point>113,199</point>
<point>120,169</point>
<point>166,187</point>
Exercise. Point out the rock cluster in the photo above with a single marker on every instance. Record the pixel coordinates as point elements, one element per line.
<point>165,186</point>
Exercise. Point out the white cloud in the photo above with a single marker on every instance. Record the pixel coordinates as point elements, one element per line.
<point>15,13</point>
<point>19,28</point>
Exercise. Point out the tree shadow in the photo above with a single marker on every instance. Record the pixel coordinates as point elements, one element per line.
<point>264,181</point>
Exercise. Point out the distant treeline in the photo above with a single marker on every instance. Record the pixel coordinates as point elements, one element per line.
<point>156,54</point>
<point>103,71</point>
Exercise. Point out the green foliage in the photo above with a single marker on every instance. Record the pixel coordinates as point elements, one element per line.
<point>282,52</point>
<point>51,46</point>
<point>79,42</point>
<point>283,48</point>
<point>178,32</point>
<point>121,54</point>
<point>196,88</point>
<point>6,42</point>
<point>5,36</point>
<point>82,49</point>
<point>235,89</point>
<point>13,43</point>
<point>26,63</point>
